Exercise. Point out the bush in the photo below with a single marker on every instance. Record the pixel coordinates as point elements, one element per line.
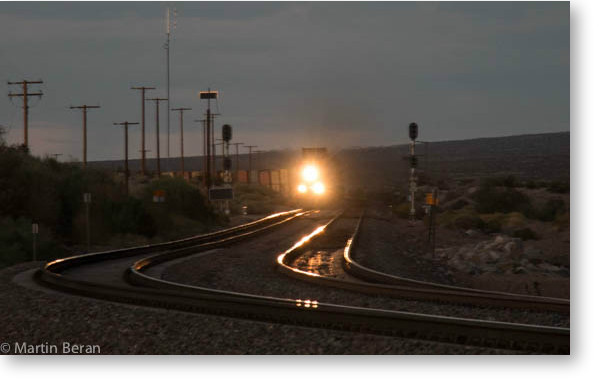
<point>558,187</point>
<point>525,234</point>
<point>181,198</point>
<point>551,209</point>
<point>504,200</point>
<point>458,204</point>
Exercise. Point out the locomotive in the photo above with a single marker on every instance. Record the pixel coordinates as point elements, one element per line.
<point>315,178</point>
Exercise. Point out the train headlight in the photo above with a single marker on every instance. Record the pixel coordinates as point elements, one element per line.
<point>310,173</point>
<point>302,188</point>
<point>318,188</point>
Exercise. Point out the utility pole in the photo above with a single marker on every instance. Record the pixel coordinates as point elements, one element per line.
<point>25,94</point>
<point>56,155</point>
<point>413,132</point>
<point>250,161</point>
<point>209,139</point>
<point>203,148</point>
<point>181,110</point>
<point>258,158</point>
<point>143,89</point>
<point>126,127</point>
<point>168,48</point>
<point>84,108</point>
<point>237,158</point>
<point>157,101</point>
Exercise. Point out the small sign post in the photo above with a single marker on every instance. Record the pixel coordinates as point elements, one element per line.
<point>34,231</point>
<point>87,199</point>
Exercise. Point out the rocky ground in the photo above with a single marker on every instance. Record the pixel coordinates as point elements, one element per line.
<point>469,258</point>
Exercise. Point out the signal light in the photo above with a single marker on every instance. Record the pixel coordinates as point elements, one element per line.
<point>226,134</point>
<point>413,131</point>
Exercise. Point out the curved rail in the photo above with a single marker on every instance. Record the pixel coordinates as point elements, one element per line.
<point>160,293</point>
<point>314,313</point>
<point>59,265</point>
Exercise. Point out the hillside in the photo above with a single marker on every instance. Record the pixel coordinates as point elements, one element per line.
<point>539,156</point>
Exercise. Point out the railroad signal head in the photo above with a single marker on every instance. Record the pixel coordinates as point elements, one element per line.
<point>226,133</point>
<point>413,131</point>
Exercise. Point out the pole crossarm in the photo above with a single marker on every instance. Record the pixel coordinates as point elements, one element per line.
<point>25,94</point>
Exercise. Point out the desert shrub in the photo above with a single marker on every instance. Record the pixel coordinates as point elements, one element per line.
<point>458,204</point>
<point>551,209</point>
<point>562,221</point>
<point>504,200</point>
<point>558,187</point>
<point>531,184</point>
<point>509,181</point>
<point>525,234</point>
<point>468,221</point>
<point>180,198</point>
<point>258,199</point>
<point>16,242</point>
<point>451,195</point>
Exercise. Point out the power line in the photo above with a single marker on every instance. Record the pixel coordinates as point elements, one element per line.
<point>25,94</point>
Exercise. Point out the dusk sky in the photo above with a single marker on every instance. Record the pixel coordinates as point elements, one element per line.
<point>289,74</point>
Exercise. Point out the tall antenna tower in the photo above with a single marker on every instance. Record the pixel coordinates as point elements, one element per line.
<point>167,47</point>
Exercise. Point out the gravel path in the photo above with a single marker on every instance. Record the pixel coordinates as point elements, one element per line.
<point>51,318</point>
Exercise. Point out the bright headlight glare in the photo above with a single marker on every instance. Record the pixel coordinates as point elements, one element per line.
<point>318,188</point>
<point>310,173</point>
<point>302,188</point>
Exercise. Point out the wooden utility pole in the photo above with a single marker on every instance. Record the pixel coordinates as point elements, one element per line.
<point>250,161</point>
<point>157,101</point>
<point>143,89</point>
<point>126,127</point>
<point>84,108</point>
<point>237,158</point>
<point>203,149</point>
<point>181,110</point>
<point>25,94</point>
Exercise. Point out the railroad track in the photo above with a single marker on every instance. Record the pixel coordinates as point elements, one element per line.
<point>150,291</point>
<point>378,283</point>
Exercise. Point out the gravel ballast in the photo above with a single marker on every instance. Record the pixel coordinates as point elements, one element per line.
<point>51,318</point>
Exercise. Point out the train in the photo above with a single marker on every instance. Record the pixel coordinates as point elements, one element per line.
<point>315,178</point>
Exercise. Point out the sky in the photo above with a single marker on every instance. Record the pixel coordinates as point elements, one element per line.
<point>288,74</point>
